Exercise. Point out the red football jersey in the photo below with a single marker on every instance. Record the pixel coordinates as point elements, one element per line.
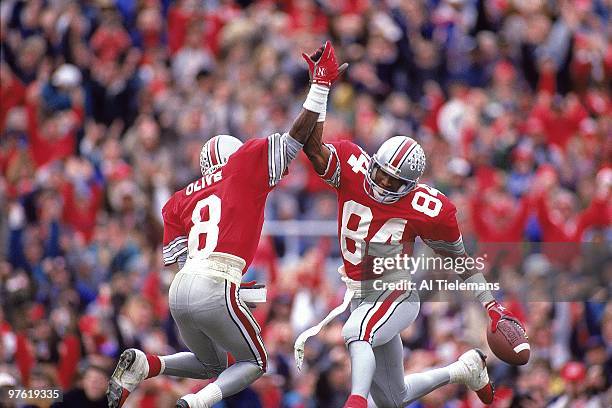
<point>425,212</point>
<point>224,211</point>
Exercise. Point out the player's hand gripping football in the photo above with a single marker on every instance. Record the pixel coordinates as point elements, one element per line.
<point>497,312</point>
<point>323,67</point>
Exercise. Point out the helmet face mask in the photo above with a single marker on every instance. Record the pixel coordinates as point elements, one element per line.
<point>216,152</point>
<point>380,193</point>
<point>409,158</point>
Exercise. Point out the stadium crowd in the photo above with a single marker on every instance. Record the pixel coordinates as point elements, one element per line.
<point>105,104</point>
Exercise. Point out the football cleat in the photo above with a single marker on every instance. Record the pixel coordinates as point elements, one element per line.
<point>131,370</point>
<point>471,370</point>
<point>181,403</point>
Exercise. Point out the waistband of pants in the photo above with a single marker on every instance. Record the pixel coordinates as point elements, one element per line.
<point>362,289</point>
<point>218,265</point>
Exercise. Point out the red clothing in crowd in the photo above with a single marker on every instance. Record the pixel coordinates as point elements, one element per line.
<point>557,229</point>
<point>110,42</point>
<point>306,16</point>
<point>180,20</point>
<point>512,231</point>
<point>12,93</point>
<point>24,357</point>
<point>266,257</point>
<point>70,355</point>
<point>46,150</point>
<point>500,243</point>
<point>560,126</point>
<point>80,212</point>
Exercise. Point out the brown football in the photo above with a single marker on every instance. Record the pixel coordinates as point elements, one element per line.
<point>509,342</point>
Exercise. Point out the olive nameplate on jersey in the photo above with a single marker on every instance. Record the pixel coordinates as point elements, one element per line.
<point>255,294</point>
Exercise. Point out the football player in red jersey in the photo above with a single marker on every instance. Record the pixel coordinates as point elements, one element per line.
<point>381,201</point>
<point>211,229</point>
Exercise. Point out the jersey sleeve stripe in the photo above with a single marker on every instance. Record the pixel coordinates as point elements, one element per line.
<point>170,259</point>
<point>282,149</point>
<point>270,155</point>
<point>174,243</point>
<point>332,171</point>
<point>332,165</point>
<point>175,250</point>
<point>455,247</point>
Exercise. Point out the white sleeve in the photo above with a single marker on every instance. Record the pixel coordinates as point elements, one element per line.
<point>282,149</point>
<point>173,251</point>
<point>455,248</point>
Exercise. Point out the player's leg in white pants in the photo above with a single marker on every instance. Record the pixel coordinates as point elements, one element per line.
<point>212,320</point>
<point>391,388</point>
<point>206,361</point>
<point>374,321</point>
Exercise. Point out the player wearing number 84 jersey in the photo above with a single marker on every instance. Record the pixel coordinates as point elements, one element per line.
<point>369,214</point>
<point>380,201</point>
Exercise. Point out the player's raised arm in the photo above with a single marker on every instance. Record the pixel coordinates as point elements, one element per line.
<point>324,71</point>
<point>318,153</point>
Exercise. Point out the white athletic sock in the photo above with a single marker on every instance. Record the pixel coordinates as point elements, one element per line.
<point>458,372</point>
<point>209,395</point>
<point>420,384</point>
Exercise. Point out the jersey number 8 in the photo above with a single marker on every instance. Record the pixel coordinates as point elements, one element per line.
<point>209,227</point>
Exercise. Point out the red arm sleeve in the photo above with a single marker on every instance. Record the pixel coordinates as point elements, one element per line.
<point>550,231</point>
<point>175,236</point>
<point>250,164</point>
<point>477,209</point>
<point>38,146</point>
<point>516,228</point>
<point>443,235</point>
<point>67,146</point>
<point>596,214</point>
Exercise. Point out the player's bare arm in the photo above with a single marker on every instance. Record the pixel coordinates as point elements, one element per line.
<point>303,125</point>
<point>314,148</point>
<point>316,151</point>
<point>324,71</point>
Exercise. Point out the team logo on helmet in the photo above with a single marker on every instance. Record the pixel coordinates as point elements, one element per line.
<point>417,160</point>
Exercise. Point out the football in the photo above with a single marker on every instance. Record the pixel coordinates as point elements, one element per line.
<point>509,342</point>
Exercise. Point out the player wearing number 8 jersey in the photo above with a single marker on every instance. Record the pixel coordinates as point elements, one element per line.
<point>211,229</point>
